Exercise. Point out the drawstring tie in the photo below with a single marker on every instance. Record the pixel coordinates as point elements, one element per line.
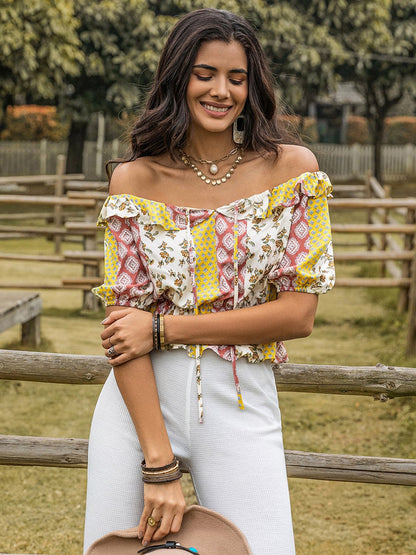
<point>192,262</point>
<point>233,351</point>
<point>192,258</point>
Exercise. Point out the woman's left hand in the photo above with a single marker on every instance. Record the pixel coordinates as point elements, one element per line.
<point>127,335</point>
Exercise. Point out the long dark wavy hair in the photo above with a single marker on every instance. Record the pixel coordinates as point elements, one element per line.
<point>162,127</point>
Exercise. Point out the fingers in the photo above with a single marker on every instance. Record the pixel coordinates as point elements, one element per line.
<point>157,526</point>
<point>115,355</point>
<point>163,511</point>
<point>150,522</point>
<point>176,523</point>
<point>115,315</point>
<point>119,360</point>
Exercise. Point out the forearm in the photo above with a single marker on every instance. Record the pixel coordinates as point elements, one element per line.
<point>289,317</point>
<point>137,385</point>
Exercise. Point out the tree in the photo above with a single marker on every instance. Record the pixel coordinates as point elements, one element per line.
<point>121,42</point>
<point>388,71</point>
<point>378,37</point>
<point>39,48</point>
<point>304,54</point>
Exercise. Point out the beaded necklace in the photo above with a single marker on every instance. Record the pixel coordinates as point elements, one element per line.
<point>187,160</point>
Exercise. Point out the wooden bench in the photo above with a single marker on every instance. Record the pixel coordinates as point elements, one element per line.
<point>21,308</point>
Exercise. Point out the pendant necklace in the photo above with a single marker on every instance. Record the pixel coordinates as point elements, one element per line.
<point>213,168</point>
<point>187,160</point>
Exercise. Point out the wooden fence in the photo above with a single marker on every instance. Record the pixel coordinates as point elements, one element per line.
<point>390,238</point>
<point>380,382</point>
<point>342,162</point>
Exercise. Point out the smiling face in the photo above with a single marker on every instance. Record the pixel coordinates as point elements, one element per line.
<point>218,87</point>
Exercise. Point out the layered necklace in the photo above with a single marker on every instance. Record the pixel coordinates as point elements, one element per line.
<point>190,161</point>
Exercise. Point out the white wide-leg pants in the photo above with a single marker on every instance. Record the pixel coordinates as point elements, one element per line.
<point>235,456</point>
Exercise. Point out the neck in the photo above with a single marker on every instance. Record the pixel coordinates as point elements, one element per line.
<point>210,146</point>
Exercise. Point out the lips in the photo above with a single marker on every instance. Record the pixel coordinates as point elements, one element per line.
<point>218,109</point>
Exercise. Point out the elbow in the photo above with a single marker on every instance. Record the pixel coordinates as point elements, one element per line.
<point>303,326</point>
<point>307,322</point>
<point>305,329</point>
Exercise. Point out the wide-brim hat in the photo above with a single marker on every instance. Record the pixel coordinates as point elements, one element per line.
<point>206,531</point>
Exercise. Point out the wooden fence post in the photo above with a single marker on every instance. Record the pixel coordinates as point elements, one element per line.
<point>90,301</point>
<point>369,194</point>
<point>385,220</point>
<point>59,192</point>
<point>411,328</point>
<point>43,154</point>
<point>355,160</point>
<point>407,268</point>
<point>115,146</point>
<point>100,145</point>
<point>409,152</point>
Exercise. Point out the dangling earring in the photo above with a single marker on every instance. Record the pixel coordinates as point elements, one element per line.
<point>238,130</point>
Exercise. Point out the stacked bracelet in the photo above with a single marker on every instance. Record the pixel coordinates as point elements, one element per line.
<point>158,332</point>
<point>161,474</point>
<point>162,332</point>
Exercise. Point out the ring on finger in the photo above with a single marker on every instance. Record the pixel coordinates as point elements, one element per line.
<point>152,522</point>
<point>111,352</point>
<point>109,340</point>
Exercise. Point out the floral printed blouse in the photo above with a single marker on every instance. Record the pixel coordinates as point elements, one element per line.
<point>179,260</point>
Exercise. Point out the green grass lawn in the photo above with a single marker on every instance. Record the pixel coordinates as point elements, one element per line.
<point>42,508</point>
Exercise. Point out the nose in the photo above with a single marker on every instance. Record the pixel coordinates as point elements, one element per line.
<point>220,88</point>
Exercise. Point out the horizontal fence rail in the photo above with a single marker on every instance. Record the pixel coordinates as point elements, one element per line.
<point>73,453</point>
<point>381,381</point>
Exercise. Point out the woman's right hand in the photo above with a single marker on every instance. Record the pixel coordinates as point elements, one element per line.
<point>165,503</point>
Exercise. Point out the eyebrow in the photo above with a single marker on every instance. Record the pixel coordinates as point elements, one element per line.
<point>212,68</point>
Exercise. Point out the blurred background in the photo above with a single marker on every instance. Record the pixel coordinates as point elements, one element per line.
<point>74,73</point>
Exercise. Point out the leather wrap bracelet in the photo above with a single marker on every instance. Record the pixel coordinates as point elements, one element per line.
<point>161,474</point>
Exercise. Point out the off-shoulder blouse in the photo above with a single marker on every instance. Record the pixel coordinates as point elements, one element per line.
<point>180,260</point>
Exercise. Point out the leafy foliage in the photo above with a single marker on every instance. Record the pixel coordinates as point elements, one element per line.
<point>121,42</point>
<point>101,55</point>
<point>39,47</point>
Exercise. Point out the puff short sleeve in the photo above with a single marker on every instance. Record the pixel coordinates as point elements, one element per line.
<point>307,264</point>
<point>127,281</point>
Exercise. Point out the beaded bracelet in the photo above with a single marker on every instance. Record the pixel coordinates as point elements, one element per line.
<point>154,331</point>
<point>162,332</point>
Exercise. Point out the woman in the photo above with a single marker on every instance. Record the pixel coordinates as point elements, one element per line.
<point>217,244</point>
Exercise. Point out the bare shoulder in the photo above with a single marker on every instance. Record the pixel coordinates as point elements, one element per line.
<point>132,178</point>
<point>297,159</point>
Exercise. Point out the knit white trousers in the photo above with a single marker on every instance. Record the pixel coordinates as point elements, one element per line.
<point>235,456</point>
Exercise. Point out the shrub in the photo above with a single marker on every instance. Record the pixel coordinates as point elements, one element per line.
<point>357,130</point>
<point>32,123</point>
<point>400,130</point>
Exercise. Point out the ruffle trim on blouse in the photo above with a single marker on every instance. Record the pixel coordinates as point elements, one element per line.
<point>261,205</point>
